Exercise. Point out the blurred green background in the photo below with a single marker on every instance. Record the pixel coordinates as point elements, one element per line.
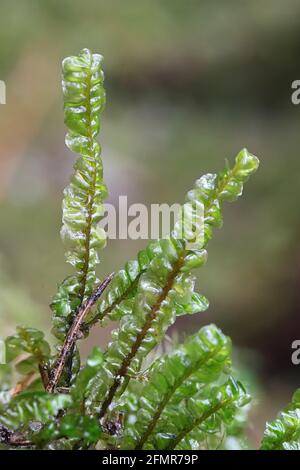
<point>189,83</point>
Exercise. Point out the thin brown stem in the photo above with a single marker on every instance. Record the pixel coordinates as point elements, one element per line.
<point>73,334</point>
<point>44,374</point>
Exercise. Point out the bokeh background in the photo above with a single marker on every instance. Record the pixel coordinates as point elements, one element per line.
<point>189,83</point>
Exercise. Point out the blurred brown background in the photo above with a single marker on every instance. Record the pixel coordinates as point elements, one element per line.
<point>189,83</point>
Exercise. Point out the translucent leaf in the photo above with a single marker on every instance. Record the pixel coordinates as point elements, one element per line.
<point>165,282</point>
<point>198,303</point>
<point>84,99</point>
<point>284,432</point>
<point>73,427</point>
<point>32,406</point>
<point>194,365</point>
<point>210,412</point>
<point>31,342</point>
<point>81,388</point>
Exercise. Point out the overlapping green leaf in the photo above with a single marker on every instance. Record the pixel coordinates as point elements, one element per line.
<point>31,343</point>
<point>194,365</point>
<point>210,190</point>
<point>185,399</point>
<point>167,280</point>
<point>84,98</point>
<point>73,427</point>
<point>119,298</point>
<point>284,432</point>
<point>32,406</point>
<point>208,413</point>
<point>80,391</point>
